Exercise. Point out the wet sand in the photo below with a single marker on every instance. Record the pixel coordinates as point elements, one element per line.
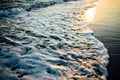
<point>111,41</point>
<point>106,25</point>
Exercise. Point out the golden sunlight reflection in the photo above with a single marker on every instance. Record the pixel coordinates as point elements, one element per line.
<point>105,11</point>
<point>90,14</point>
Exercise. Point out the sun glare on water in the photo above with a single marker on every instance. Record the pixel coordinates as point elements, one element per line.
<point>90,14</point>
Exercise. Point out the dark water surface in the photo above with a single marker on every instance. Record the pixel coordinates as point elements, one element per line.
<point>106,25</point>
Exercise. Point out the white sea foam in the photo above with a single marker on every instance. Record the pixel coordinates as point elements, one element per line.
<point>51,43</point>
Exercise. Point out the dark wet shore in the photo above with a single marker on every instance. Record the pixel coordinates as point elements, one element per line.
<point>111,40</point>
<point>106,26</point>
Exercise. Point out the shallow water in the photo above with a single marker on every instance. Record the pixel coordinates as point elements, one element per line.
<point>51,40</point>
<point>106,25</point>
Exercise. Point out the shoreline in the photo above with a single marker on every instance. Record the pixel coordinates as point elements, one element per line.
<point>106,27</point>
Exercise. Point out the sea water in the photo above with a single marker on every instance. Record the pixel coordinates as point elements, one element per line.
<point>47,40</point>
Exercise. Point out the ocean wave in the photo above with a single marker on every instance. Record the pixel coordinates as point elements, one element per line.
<point>51,43</point>
<point>8,8</point>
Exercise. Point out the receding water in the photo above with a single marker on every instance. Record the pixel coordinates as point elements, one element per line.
<point>51,38</point>
<point>106,25</point>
